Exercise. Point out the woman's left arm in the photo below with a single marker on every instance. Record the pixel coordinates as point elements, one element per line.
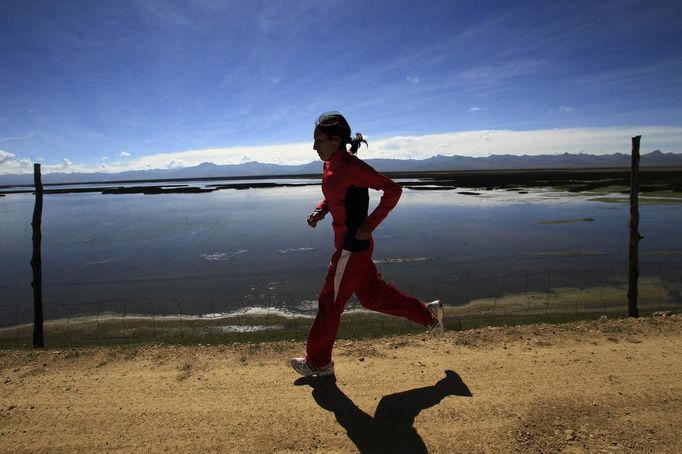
<point>363,175</point>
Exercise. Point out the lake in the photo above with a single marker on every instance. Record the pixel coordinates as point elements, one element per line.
<point>232,250</point>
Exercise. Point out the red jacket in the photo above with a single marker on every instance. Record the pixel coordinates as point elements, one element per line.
<point>344,184</point>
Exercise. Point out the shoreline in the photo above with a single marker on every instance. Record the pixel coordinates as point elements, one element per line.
<point>272,324</point>
<point>653,179</point>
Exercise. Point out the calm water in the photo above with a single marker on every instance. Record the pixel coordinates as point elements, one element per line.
<point>229,249</point>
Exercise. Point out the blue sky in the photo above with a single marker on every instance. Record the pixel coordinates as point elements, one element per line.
<point>118,85</point>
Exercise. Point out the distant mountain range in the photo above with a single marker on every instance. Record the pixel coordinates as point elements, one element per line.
<point>436,163</point>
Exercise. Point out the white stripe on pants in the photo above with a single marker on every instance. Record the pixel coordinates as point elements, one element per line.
<point>340,268</point>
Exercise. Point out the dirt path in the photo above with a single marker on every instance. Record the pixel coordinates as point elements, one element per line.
<point>606,386</point>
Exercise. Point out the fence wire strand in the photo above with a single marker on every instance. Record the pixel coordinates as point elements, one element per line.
<point>513,297</point>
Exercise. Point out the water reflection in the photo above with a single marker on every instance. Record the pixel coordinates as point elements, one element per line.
<point>254,247</point>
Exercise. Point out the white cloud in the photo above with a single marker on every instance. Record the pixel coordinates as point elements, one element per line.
<point>465,143</point>
<point>124,154</point>
<point>565,109</point>
<point>477,109</point>
<point>547,141</point>
<point>413,79</point>
<point>10,164</point>
<point>66,166</point>
<point>6,156</point>
<point>294,153</point>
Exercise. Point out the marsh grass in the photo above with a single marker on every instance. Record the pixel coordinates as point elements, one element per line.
<point>558,305</point>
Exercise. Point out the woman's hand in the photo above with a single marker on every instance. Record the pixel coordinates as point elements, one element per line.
<point>363,233</point>
<point>314,217</point>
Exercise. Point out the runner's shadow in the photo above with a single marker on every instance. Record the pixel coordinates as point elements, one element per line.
<point>392,427</point>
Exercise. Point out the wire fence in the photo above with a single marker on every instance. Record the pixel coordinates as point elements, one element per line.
<point>542,296</point>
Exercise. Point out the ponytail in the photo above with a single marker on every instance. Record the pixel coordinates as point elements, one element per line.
<point>355,143</point>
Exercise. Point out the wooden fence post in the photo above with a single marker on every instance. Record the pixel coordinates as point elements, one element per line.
<point>633,268</point>
<point>36,261</point>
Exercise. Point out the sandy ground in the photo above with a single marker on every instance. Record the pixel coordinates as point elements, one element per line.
<point>603,386</point>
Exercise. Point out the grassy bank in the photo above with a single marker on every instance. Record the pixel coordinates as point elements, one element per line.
<point>560,306</point>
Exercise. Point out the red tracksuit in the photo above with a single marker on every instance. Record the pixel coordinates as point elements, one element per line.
<point>344,185</point>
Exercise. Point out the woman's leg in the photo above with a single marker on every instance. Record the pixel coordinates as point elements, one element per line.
<point>347,271</point>
<point>378,295</point>
<point>354,272</point>
<point>330,306</point>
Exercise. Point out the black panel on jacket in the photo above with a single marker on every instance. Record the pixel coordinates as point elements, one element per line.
<point>357,204</point>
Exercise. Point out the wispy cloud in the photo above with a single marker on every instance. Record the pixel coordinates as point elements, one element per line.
<point>169,14</point>
<point>654,75</point>
<point>13,138</point>
<point>490,78</point>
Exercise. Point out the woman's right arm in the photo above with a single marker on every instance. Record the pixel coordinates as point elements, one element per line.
<point>318,213</point>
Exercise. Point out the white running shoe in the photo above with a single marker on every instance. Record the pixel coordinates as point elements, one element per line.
<point>436,308</point>
<point>306,369</point>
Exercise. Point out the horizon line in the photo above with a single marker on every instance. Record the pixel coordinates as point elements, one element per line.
<point>470,144</point>
<point>313,161</point>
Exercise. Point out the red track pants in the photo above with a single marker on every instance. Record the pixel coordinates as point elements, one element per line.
<point>354,272</point>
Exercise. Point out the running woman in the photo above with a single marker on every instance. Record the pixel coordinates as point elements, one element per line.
<point>345,184</point>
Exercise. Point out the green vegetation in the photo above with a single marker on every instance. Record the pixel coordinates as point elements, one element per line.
<point>560,305</point>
